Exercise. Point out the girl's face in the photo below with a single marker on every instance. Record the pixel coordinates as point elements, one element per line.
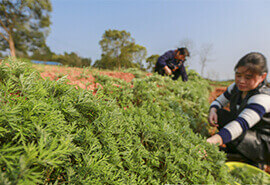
<point>246,81</point>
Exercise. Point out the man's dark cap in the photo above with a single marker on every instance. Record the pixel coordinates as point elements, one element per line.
<point>183,51</point>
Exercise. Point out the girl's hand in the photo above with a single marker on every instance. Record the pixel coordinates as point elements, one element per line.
<point>215,139</point>
<point>213,117</point>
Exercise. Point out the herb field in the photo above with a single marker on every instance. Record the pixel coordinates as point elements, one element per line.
<point>150,130</point>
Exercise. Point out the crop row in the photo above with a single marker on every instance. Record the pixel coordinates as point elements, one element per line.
<point>148,131</point>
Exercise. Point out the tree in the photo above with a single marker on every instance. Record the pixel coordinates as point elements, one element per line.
<point>205,53</point>
<point>24,25</point>
<point>86,62</point>
<point>72,59</point>
<point>139,55</point>
<point>151,61</point>
<point>119,50</point>
<point>106,62</point>
<point>113,41</point>
<point>133,53</point>
<point>44,54</point>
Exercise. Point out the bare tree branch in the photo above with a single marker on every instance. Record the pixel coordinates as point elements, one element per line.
<point>205,54</point>
<point>191,46</point>
<point>4,36</point>
<point>6,17</point>
<point>5,28</point>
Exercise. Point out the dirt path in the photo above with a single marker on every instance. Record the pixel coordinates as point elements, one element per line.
<point>216,92</point>
<point>79,77</point>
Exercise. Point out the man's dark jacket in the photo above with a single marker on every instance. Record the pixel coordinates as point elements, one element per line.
<point>168,59</point>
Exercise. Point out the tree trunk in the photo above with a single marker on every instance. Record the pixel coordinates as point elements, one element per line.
<point>202,70</point>
<point>12,47</point>
<point>119,64</point>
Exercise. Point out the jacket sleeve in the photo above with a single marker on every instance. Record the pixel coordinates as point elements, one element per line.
<point>223,99</point>
<point>256,107</point>
<point>169,55</point>
<point>181,71</point>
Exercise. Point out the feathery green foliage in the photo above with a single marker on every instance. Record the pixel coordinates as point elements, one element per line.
<point>144,132</point>
<point>244,176</point>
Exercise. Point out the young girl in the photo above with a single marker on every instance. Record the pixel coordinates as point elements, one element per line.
<point>246,128</point>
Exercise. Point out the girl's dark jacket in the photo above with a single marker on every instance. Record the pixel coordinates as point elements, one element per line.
<point>255,142</point>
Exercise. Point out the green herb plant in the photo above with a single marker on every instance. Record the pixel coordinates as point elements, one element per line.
<point>149,131</point>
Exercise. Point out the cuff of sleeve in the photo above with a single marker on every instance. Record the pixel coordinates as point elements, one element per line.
<point>162,65</point>
<point>215,106</point>
<point>225,135</point>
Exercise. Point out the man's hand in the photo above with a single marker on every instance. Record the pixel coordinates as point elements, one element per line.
<point>168,71</point>
<point>213,117</point>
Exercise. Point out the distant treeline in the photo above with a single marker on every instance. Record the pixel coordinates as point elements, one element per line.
<point>71,59</point>
<point>45,54</point>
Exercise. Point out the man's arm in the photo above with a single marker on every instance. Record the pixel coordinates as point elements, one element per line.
<point>168,71</point>
<point>162,60</point>
<point>183,73</point>
<point>176,75</point>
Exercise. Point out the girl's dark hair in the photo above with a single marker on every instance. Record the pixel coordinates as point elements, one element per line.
<point>254,62</point>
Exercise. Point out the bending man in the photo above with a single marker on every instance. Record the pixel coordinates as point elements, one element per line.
<point>172,63</point>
